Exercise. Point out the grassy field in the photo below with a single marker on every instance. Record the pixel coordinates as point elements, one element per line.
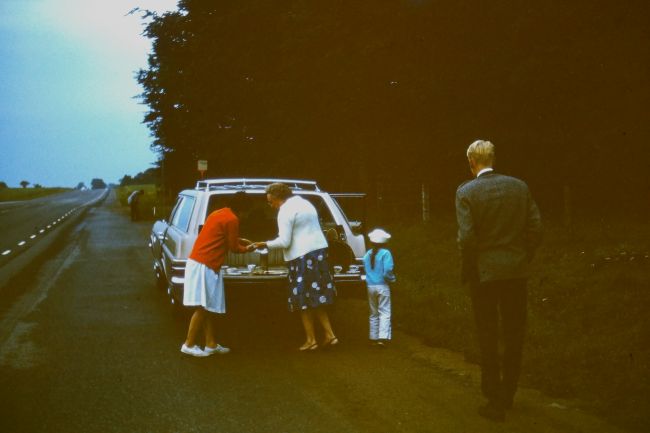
<point>17,194</point>
<point>588,329</point>
<point>150,207</point>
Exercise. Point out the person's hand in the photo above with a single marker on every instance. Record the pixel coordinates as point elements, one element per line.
<point>257,246</point>
<point>244,241</point>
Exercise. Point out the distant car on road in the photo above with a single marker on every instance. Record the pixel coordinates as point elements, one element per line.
<point>171,241</point>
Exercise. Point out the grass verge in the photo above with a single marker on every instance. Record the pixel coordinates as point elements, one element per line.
<point>587,324</point>
<point>150,203</point>
<point>19,194</point>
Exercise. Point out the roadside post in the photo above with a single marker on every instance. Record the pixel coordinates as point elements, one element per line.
<point>203,167</point>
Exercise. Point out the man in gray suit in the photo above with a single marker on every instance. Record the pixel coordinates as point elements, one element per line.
<point>499,229</point>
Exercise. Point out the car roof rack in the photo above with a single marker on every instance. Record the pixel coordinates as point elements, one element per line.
<point>243,183</point>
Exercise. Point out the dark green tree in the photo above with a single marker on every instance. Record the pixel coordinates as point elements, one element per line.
<point>149,176</point>
<point>126,180</point>
<point>358,94</point>
<point>97,183</point>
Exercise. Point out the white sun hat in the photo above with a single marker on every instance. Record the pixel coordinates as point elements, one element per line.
<point>378,236</point>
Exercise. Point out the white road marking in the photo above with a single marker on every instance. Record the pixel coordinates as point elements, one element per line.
<point>50,226</point>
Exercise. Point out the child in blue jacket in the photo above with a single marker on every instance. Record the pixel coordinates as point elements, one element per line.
<point>378,263</point>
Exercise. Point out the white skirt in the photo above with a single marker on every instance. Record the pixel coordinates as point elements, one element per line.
<point>203,287</point>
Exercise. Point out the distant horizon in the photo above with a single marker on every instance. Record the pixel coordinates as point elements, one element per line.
<point>84,181</point>
<point>86,184</point>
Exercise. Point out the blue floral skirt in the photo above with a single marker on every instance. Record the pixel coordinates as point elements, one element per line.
<point>310,281</point>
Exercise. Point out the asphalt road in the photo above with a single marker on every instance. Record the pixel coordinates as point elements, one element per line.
<point>23,223</point>
<point>89,344</point>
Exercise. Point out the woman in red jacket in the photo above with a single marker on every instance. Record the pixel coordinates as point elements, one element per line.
<point>203,287</point>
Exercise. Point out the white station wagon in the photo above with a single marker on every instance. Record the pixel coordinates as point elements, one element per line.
<point>171,241</point>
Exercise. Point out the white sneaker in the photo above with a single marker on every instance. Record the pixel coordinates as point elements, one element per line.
<point>221,350</point>
<point>193,351</point>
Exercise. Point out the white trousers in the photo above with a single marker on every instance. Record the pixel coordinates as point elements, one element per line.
<point>379,302</point>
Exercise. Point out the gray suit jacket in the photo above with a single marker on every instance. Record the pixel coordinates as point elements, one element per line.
<point>499,228</point>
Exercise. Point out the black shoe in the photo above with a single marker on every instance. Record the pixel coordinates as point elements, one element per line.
<point>492,412</point>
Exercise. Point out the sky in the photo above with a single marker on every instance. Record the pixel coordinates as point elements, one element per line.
<point>68,111</point>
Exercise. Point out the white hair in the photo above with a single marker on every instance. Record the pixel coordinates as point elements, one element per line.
<point>482,152</point>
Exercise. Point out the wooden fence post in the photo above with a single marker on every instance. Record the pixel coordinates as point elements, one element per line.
<point>425,202</point>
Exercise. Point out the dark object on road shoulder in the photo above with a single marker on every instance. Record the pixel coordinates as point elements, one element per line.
<point>133,201</point>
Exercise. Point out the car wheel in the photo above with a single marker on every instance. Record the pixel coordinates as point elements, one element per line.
<point>161,279</point>
<point>170,296</point>
<point>176,305</point>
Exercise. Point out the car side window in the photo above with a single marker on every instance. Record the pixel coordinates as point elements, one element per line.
<point>172,215</point>
<point>183,213</point>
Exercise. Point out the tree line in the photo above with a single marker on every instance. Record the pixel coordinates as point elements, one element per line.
<point>23,184</point>
<point>365,93</point>
<point>149,176</point>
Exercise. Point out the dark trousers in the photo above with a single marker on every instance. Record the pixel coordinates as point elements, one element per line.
<point>501,302</point>
<point>135,215</point>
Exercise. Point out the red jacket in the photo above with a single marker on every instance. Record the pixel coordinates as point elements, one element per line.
<point>219,234</point>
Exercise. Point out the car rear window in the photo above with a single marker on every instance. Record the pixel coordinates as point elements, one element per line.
<point>260,221</point>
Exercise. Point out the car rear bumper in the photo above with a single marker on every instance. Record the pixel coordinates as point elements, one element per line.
<point>229,279</point>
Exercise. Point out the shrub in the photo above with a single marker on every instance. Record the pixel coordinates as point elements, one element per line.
<point>587,315</point>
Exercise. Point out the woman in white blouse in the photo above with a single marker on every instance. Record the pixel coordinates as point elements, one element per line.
<point>311,286</point>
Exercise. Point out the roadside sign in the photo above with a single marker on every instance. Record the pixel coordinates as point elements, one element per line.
<point>203,167</point>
